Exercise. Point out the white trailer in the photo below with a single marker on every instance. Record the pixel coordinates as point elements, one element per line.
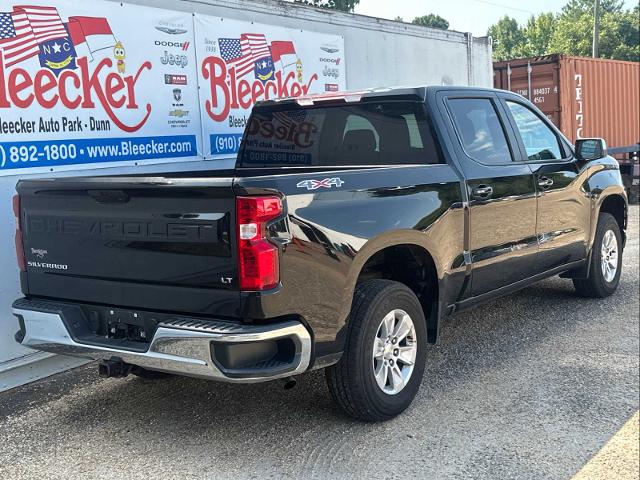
<point>377,52</point>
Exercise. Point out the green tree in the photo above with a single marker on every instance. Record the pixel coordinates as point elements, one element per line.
<point>570,32</point>
<point>577,7</point>
<point>342,5</point>
<point>619,31</point>
<point>432,20</point>
<point>508,39</point>
<point>538,33</point>
<point>398,19</point>
<point>573,35</point>
<point>620,35</point>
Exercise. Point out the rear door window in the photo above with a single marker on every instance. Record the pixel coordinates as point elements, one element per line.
<point>367,133</point>
<point>480,130</point>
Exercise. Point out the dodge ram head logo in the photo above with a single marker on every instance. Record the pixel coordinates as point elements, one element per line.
<point>324,183</point>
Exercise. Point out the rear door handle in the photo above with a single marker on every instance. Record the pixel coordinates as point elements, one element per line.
<point>482,192</point>
<point>545,182</point>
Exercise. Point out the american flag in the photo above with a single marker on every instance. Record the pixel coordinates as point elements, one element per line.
<point>22,30</point>
<point>45,22</point>
<point>17,40</point>
<point>290,118</point>
<point>242,53</point>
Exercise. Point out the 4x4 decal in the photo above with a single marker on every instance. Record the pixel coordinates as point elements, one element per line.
<point>324,183</point>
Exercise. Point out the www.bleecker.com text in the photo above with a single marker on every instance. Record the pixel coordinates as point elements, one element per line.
<point>52,125</point>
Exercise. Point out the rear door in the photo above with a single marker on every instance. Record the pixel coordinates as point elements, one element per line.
<point>501,192</point>
<point>563,222</point>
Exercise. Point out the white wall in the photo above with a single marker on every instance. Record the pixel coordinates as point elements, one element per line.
<point>377,53</point>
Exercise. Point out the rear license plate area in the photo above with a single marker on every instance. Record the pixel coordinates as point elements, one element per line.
<point>120,325</point>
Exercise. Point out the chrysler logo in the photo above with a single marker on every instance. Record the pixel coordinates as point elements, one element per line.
<point>172,31</point>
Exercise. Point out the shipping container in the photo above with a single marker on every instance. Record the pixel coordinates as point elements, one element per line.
<point>584,97</point>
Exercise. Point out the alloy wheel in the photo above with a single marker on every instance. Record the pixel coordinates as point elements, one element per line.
<point>609,256</point>
<point>394,351</point>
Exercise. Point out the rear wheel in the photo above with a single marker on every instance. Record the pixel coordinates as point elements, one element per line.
<point>606,260</point>
<point>384,358</point>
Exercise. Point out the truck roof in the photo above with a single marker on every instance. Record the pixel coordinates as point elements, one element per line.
<point>417,92</point>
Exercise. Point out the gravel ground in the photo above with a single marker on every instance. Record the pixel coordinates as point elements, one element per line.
<point>529,386</point>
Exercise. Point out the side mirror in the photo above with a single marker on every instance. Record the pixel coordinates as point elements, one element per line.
<point>591,148</point>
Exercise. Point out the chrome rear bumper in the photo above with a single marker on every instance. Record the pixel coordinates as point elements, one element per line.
<point>182,346</point>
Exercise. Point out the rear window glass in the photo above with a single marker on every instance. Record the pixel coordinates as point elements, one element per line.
<point>372,133</point>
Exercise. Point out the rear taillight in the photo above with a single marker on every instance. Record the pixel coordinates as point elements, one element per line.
<point>257,257</point>
<point>19,242</point>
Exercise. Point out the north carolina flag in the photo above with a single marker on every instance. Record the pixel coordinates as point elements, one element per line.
<point>90,34</point>
<point>281,48</point>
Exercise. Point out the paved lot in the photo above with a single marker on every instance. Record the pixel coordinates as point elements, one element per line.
<point>530,386</point>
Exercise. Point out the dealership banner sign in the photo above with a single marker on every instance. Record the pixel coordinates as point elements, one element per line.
<point>96,82</point>
<point>240,63</point>
<point>86,83</point>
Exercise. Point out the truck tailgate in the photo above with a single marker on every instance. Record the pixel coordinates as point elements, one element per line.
<point>141,242</point>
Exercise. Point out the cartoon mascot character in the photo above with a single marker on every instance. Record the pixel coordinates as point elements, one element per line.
<point>119,55</point>
<point>299,70</point>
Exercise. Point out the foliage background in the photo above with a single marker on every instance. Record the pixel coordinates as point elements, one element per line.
<point>569,31</point>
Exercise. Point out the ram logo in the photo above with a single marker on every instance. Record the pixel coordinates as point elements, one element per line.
<point>324,183</point>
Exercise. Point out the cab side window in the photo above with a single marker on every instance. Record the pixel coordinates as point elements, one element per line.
<point>540,142</point>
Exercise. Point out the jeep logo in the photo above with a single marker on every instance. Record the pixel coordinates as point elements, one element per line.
<point>171,59</point>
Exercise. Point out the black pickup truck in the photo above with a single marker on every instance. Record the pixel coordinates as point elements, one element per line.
<point>352,225</point>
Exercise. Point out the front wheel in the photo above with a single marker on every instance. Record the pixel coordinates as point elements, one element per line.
<point>384,358</point>
<point>606,260</point>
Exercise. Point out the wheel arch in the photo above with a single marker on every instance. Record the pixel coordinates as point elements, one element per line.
<point>616,205</point>
<point>406,257</point>
<point>613,201</point>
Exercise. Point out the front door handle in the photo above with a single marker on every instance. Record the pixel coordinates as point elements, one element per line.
<point>545,182</point>
<point>482,192</point>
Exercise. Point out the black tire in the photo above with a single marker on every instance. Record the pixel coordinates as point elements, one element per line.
<point>149,374</point>
<point>351,381</point>
<point>596,285</point>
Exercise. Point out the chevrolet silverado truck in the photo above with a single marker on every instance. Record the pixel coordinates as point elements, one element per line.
<point>352,225</point>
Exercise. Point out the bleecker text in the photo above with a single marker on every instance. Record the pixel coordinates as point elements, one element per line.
<point>299,134</point>
<point>227,92</point>
<point>74,89</point>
